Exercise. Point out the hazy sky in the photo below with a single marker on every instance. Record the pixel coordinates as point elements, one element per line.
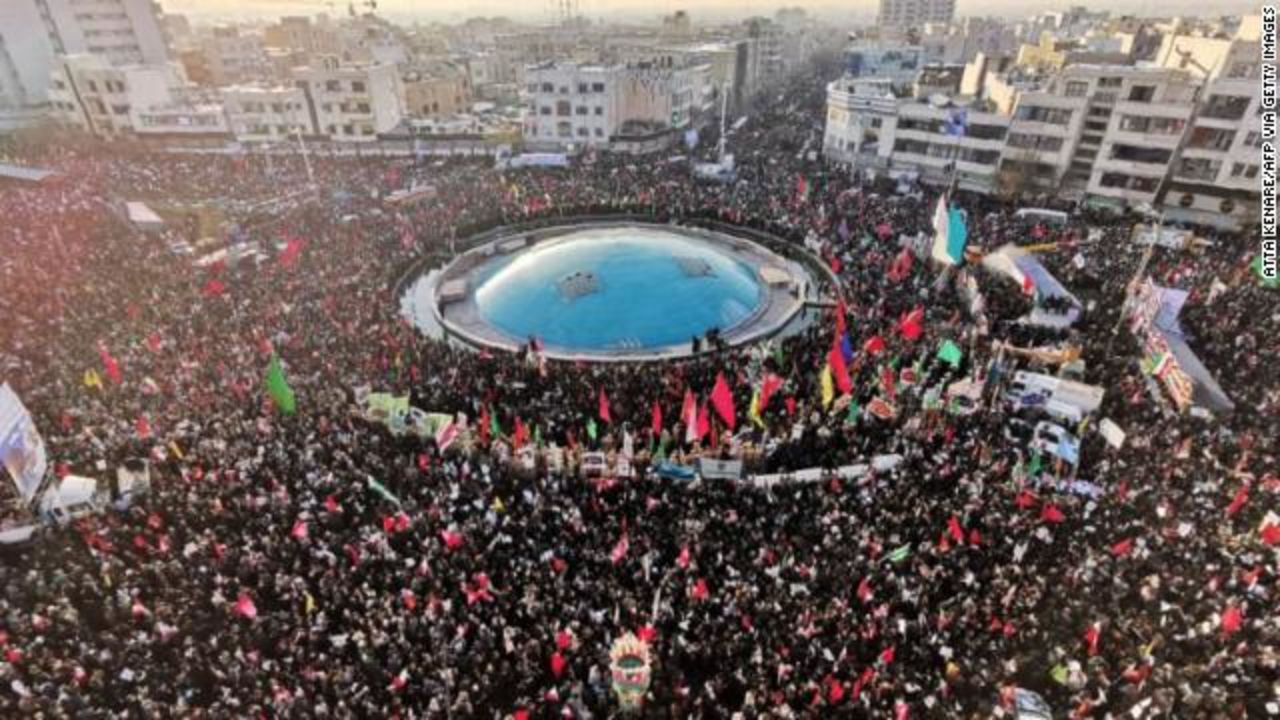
<point>838,10</point>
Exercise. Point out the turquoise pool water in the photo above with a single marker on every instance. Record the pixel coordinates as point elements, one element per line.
<point>617,288</point>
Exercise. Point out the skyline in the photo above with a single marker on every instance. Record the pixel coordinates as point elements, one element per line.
<point>646,11</point>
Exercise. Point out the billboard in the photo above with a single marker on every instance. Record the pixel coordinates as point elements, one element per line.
<point>21,448</point>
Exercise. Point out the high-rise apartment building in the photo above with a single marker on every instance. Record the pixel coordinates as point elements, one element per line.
<point>907,14</point>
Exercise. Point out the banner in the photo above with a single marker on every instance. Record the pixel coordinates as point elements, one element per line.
<point>21,447</point>
<point>719,469</point>
<point>1112,433</point>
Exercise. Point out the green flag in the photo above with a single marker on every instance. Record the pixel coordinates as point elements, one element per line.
<point>950,353</point>
<point>382,490</point>
<point>900,554</point>
<point>1059,674</point>
<point>495,430</point>
<point>662,452</point>
<point>591,428</point>
<point>1033,468</point>
<point>851,417</point>
<point>278,388</point>
<point>537,436</point>
<point>1256,266</point>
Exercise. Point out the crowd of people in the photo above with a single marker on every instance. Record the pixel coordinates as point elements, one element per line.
<point>263,575</point>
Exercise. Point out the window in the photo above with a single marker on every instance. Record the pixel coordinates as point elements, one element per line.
<point>1114,180</point>
<point>599,110</point>
<point>326,107</point>
<point>582,88</point>
<point>1225,107</point>
<point>1110,82</point>
<point>1077,88</point>
<point>348,129</point>
<point>1043,143</point>
<point>1246,171</point>
<point>532,87</point>
<point>580,110</point>
<point>564,129</point>
<point>599,132</point>
<point>564,108</point>
<point>357,86</point>
<point>277,108</point>
<point>120,109</point>
<point>363,108</point>
<point>582,132</point>
<point>333,86</point>
<point>1142,93</point>
<point>93,86</point>
<point>1253,139</point>
<point>1202,169</point>
<point>1053,116</point>
<point>597,87</point>
<point>1207,138</point>
<point>548,87</point>
<point>1138,154</point>
<point>544,110</point>
<point>1242,70</point>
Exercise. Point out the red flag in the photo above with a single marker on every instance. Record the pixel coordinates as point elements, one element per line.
<point>1028,285</point>
<point>953,527</point>
<point>214,288</point>
<point>1091,636</point>
<point>518,435</point>
<point>563,640</point>
<point>689,411</point>
<point>558,664</point>
<point>864,589</point>
<point>1271,534</point>
<point>874,346</point>
<point>143,427</point>
<point>791,406</point>
<point>410,600</point>
<point>1232,620</point>
<point>683,558</point>
<point>1025,499</point>
<point>154,342</point>
<point>1051,513</point>
<point>331,504</point>
<point>722,399</point>
<point>620,549</point>
<point>704,421</point>
<point>1122,548</point>
<point>835,691</point>
<point>451,540</point>
<point>1238,502</point>
<point>292,251</point>
<point>886,657</point>
<point>841,310</point>
<point>245,608</point>
<point>655,418</point>
<point>484,423</point>
<point>699,590</point>
<point>299,531</point>
<point>835,359</point>
<point>604,407</point>
<point>770,385</point>
<point>901,711</point>
<point>647,633</point>
<point>110,366</point>
<point>912,325</point>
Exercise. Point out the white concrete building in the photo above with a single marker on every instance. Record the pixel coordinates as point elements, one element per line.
<point>234,57</point>
<point>267,114</point>
<point>907,14</point>
<point>1214,178</point>
<point>89,93</point>
<point>33,33</point>
<point>1107,132</point>
<point>352,103</point>
<point>873,128</point>
<point>571,107</point>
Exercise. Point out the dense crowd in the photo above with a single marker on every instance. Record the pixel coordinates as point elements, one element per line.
<point>262,577</point>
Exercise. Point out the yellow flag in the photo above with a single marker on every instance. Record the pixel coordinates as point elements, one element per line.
<point>311,602</point>
<point>177,451</point>
<point>498,506</point>
<point>91,379</point>
<point>754,411</point>
<point>828,387</point>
